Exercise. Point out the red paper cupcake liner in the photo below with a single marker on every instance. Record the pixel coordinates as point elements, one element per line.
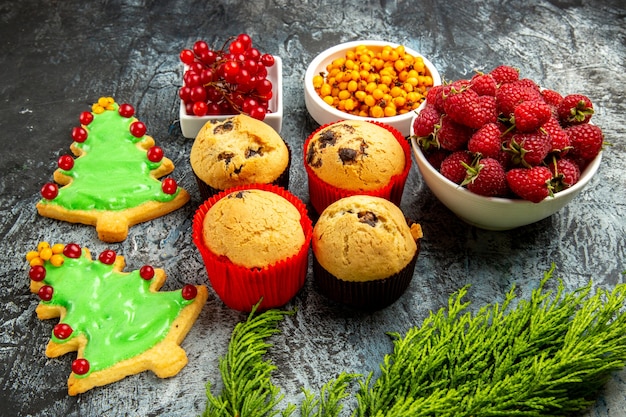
<point>323,194</point>
<point>206,191</point>
<point>241,288</point>
<point>366,295</point>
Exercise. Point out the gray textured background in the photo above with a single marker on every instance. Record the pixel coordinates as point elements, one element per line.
<point>58,58</point>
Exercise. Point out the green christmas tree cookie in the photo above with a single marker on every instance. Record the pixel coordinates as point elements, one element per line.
<point>119,322</point>
<point>114,181</point>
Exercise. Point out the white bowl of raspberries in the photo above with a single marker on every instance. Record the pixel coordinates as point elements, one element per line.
<point>368,80</point>
<point>502,152</point>
<point>219,83</point>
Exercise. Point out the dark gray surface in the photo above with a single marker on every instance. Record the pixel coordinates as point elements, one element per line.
<point>58,58</point>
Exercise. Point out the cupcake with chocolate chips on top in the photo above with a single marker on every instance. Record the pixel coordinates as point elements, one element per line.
<point>364,252</point>
<point>356,157</point>
<point>238,151</point>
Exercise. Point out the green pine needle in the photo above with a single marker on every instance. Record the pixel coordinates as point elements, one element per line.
<point>248,390</point>
<point>546,356</point>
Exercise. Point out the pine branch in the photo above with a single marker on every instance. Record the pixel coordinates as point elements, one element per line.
<point>328,402</point>
<point>546,356</point>
<point>248,390</point>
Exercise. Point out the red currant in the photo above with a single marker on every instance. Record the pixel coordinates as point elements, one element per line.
<point>169,186</point>
<point>231,69</point>
<point>37,273</point>
<point>155,154</point>
<point>237,47</point>
<point>187,57</point>
<point>189,292</point>
<point>199,47</point>
<point>126,110</point>
<point>199,108</point>
<point>146,272</point>
<point>245,39</point>
<point>62,331</point>
<point>49,191</point>
<point>80,366</point>
<point>107,257</point>
<point>138,129</point>
<point>184,93</point>
<point>79,134</point>
<point>267,60</point>
<point>192,78</point>
<point>45,293</point>
<point>258,113</point>
<point>209,57</point>
<point>253,53</point>
<point>65,162</point>
<point>85,118</point>
<point>198,93</point>
<point>72,250</point>
<point>263,87</point>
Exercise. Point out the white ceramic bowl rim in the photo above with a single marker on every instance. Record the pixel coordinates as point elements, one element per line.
<point>319,59</point>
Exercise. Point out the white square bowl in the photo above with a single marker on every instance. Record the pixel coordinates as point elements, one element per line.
<point>191,125</point>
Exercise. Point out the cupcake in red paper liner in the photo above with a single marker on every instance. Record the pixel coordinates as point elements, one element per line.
<point>254,241</point>
<point>364,252</point>
<point>237,151</point>
<point>356,157</point>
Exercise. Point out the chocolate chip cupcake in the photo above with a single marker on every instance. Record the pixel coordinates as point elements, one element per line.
<point>356,157</point>
<point>238,151</point>
<point>364,252</point>
<point>254,241</point>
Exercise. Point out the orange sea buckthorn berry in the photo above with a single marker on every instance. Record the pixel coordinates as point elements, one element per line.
<point>57,259</point>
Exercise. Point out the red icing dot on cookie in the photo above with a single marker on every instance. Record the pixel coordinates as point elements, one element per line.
<point>146,272</point>
<point>189,292</point>
<point>37,273</point>
<point>80,366</point>
<point>65,162</point>
<point>79,134</point>
<point>138,129</point>
<point>49,191</point>
<point>169,186</point>
<point>45,293</point>
<point>72,250</point>
<point>155,154</point>
<point>107,257</point>
<point>85,118</point>
<point>126,110</point>
<point>62,331</point>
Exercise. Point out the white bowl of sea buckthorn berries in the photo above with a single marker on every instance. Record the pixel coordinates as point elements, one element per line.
<point>502,152</point>
<point>368,80</point>
<point>234,78</point>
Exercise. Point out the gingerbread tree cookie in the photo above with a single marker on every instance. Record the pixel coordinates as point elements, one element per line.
<point>119,322</point>
<point>114,181</point>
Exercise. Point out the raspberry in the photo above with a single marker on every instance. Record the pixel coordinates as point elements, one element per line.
<point>553,98</point>
<point>487,178</point>
<point>532,184</point>
<point>586,140</point>
<point>468,108</point>
<point>511,94</point>
<point>452,167</point>
<point>575,109</point>
<point>530,115</point>
<point>436,156</point>
<point>529,149</point>
<point>426,120</point>
<point>504,74</point>
<point>452,136</point>
<point>437,95</point>
<point>486,141</point>
<point>565,173</point>
<point>560,143</point>
<point>483,84</point>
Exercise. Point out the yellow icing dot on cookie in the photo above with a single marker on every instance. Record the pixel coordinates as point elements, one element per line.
<point>45,253</point>
<point>32,255</point>
<point>57,259</point>
<point>57,248</point>
<point>42,245</point>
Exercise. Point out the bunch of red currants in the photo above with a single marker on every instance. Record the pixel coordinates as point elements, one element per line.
<point>230,80</point>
